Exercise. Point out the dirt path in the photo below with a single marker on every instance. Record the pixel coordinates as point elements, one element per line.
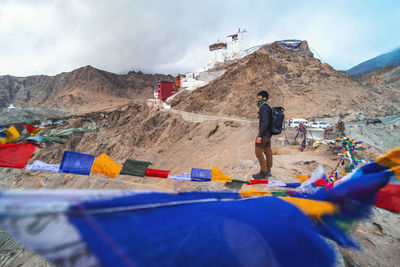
<point>194,117</point>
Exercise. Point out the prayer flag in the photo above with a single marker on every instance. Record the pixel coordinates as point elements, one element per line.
<point>99,228</point>
<point>279,193</point>
<point>12,134</point>
<point>314,208</point>
<point>258,182</point>
<point>293,185</point>
<point>396,172</point>
<point>302,178</point>
<point>15,155</point>
<point>181,177</point>
<point>39,165</point>
<point>391,159</point>
<point>135,167</point>
<point>30,128</point>
<point>218,175</point>
<point>201,174</point>
<point>276,183</point>
<point>254,193</point>
<point>389,196</point>
<point>105,165</point>
<point>236,184</point>
<point>207,232</point>
<point>78,163</point>
<point>354,196</point>
<point>157,173</point>
<point>36,139</point>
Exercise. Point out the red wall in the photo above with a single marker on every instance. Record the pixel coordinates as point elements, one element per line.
<point>166,90</point>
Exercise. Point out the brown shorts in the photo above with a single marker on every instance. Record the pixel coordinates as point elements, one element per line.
<point>265,142</point>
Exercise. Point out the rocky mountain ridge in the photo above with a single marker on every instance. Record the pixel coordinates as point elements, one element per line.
<point>388,77</point>
<point>384,81</point>
<point>385,60</point>
<point>295,80</point>
<point>86,88</point>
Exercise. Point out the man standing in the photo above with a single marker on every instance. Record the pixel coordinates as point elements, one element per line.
<point>263,141</point>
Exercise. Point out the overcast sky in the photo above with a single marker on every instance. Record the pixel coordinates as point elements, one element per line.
<point>168,36</point>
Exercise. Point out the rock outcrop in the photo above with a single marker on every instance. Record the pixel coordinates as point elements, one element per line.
<point>296,80</point>
<point>385,81</point>
<point>84,89</point>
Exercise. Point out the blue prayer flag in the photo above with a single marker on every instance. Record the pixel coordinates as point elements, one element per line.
<point>292,185</point>
<point>354,197</point>
<point>201,174</point>
<point>78,163</point>
<point>196,229</point>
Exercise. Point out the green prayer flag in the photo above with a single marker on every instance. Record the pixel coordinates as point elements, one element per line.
<point>235,184</point>
<point>135,167</point>
<point>279,193</point>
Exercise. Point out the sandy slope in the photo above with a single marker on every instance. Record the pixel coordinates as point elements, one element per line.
<point>171,142</point>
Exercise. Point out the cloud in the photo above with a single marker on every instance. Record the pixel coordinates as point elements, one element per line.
<point>49,37</point>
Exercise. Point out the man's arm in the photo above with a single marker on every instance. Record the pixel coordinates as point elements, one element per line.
<point>265,117</point>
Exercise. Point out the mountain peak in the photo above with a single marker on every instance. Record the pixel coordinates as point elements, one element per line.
<point>388,59</point>
<point>294,78</point>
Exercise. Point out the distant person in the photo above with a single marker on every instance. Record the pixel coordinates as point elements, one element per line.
<point>301,129</point>
<point>263,140</point>
<point>340,128</point>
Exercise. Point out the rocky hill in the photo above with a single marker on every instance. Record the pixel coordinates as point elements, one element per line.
<point>385,81</point>
<point>83,89</point>
<point>388,77</point>
<point>295,80</point>
<point>389,59</point>
<point>178,143</point>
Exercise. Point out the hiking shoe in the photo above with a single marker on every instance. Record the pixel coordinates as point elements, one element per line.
<point>268,174</point>
<point>260,176</point>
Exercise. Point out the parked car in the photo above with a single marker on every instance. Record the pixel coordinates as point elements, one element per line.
<point>294,123</point>
<point>373,121</point>
<point>320,124</point>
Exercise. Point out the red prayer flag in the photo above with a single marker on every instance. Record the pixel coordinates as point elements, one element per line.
<point>320,182</point>
<point>15,155</point>
<point>328,186</point>
<point>389,198</point>
<point>157,173</point>
<point>258,182</point>
<point>30,128</point>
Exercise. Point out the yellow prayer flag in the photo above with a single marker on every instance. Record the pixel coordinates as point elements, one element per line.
<point>12,134</point>
<point>396,171</point>
<point>254,193</point>
<point>302,178</point>
<point>314,208</point>
<point>391,159</point>
<point>217,175</point>
<point>105,165</point>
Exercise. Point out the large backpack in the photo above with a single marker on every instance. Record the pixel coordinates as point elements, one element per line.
<point>277,120</point>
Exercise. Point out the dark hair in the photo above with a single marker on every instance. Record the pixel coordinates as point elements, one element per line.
<point>263,94</point>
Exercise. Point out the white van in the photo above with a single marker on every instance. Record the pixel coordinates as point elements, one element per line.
<point>320,124</point>
<point>294,123</point>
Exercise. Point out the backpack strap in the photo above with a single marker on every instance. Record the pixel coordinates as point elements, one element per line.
<point>262,104</point>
